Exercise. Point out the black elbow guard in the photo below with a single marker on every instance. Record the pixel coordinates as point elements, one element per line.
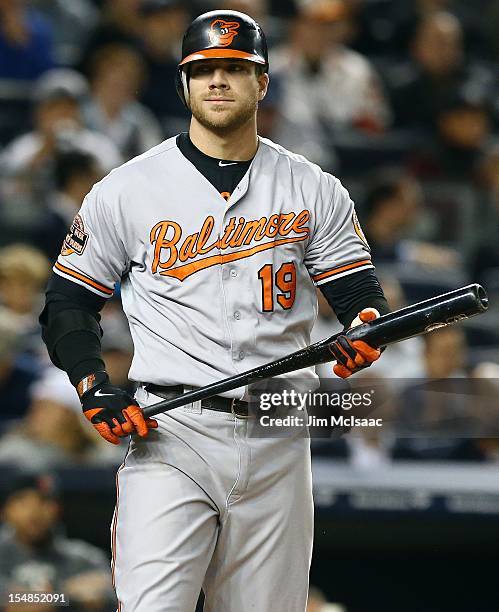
<point>56,327</point>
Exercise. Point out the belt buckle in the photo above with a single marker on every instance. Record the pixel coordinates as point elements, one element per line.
<point>239,416</point>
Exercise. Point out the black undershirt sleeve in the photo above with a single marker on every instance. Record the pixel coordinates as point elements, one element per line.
<point>70,306</point>
<point>348,295</point>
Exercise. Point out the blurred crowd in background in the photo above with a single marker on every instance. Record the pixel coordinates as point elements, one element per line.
<point>398,98</point>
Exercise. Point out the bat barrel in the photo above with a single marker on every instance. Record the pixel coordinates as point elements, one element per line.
<point>424,317</point>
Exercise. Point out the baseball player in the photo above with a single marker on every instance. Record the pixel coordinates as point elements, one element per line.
<point>219,239</point>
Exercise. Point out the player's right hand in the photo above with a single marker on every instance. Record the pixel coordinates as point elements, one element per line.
<point>114,413</point>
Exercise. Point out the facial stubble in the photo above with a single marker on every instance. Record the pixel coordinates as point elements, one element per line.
<point>222,120</point>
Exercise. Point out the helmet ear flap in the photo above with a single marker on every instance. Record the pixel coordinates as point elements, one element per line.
<point>184,75</point>
<point>182,84</point>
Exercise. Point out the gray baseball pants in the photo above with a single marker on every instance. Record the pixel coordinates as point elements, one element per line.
<point>201,504</point>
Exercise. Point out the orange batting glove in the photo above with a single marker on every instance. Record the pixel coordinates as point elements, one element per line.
<point>111,410</point>
<point>352,356</point>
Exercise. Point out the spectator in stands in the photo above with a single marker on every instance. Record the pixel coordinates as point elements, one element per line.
<point>16,376</point>
<point>72,23</point>
<point>438,55</point>
<point>58,127</point>
<point>23,275</point>
<point>24,271</point>
<point>405,17</point>
<point>326,85</point>
<point>309,141</point>
<point>392,208</point>
<point>163,25</point>
<point>26,45</point>
<point>75,172</point>
<point>435,417</point>
<point>463,128</point>
<point>116,77</point>
<point>35,556</point>
<point>53,433</point>
<point>445,353</point>
<point>438,71</point>
<point>119,24</point>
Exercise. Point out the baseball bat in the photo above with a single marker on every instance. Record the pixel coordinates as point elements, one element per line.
<point>415,320</point>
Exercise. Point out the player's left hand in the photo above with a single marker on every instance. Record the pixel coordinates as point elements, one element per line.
<point>352,356</point>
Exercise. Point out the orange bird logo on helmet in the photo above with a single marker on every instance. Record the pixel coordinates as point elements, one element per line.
<point>222,32</point>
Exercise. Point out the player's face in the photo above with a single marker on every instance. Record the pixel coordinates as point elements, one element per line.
<point>224,94</point>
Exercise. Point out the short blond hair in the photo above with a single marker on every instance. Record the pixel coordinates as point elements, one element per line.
<point>24,261</point>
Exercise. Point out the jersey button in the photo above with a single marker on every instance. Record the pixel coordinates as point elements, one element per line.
<point>233,273</point>
<point>237,315</point>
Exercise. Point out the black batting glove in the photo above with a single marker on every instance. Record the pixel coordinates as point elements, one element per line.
<point>111,410</point>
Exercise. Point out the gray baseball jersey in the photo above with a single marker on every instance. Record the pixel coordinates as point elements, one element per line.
<point>214,287</point>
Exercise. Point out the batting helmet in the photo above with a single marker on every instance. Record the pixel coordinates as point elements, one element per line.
<point>220,34</point>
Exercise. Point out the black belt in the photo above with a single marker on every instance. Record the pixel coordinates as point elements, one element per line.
<point>220,404</point>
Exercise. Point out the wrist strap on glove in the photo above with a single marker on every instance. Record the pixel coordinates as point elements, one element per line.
<point>89,382</point>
